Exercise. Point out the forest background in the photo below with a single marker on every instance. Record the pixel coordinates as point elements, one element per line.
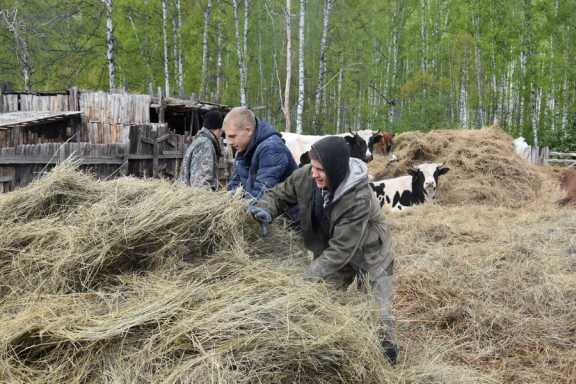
<point>314,66</point>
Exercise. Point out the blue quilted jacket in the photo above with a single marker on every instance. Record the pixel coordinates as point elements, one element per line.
<point>265,162</point>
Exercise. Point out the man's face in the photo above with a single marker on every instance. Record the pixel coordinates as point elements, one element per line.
<point>238,138</point>
<point>319,174</point>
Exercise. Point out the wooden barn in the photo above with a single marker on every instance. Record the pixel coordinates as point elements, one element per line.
<point>108,133</point>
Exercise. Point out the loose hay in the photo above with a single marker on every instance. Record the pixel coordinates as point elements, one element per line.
<point>145,281</point>
<point>483,166</point>
<point>98,291</point>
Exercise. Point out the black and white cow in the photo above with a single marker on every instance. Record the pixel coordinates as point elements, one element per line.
<point>357,145</point>
<point>416,188</point>
<point>299,145</point>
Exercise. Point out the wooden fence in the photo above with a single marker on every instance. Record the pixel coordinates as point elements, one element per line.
<point>151,152</point>
<point>544,156</point>
<point>560,158</point>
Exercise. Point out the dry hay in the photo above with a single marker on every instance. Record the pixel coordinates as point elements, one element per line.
<point>143,281</point>
<point>496,284</point>
<point>483,166</point>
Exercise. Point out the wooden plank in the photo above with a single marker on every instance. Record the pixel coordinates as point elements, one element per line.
<point>155,159</point>
<point>561,161</point>
<point>6,179</point>
<point>167,156</point>
<point>23,160</point>
<point>562,154</point>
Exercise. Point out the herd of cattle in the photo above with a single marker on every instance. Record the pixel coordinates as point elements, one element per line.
<point>419,185</point>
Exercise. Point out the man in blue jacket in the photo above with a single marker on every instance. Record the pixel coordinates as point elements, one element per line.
<point>262,158</point>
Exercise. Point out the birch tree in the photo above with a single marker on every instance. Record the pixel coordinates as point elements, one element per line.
<point>165,45</point>
<point>110,45</point>
<point>179,70</point>
<point>219,64</point>
<point>319,94</point>
<point>478,64</point>
<point>23,57</point>
<point>288,66</point>
<point>241,46</point>
<point>300,105</point>
<point>204,74</point>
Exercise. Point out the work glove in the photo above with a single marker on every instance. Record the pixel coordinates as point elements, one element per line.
<point>262,216</point>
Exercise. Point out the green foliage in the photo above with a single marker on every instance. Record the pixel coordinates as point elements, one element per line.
<point>407,64</point>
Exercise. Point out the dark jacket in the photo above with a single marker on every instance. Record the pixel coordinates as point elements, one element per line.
<point>358,234</point>
<point>265,162</point>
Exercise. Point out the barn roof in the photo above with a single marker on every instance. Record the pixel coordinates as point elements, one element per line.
<point>26,119</point>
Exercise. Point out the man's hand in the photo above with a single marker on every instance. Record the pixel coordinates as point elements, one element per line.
<point>261,215</point>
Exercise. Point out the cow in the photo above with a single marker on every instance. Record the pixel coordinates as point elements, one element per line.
<point>418,187</point>
<point>299,145</point>
<point>521,147</point>
<point>358,150</point>
<point>380,143</point>
<point>568,184</point>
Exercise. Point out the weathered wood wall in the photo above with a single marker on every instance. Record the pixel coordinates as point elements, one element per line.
<point>109,116</point>
<point>22,164</point>
<point>152,152</point>
<point>39,102</point>
<point>54,132</point>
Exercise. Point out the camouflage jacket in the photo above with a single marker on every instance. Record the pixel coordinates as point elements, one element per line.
<point>200,164</point>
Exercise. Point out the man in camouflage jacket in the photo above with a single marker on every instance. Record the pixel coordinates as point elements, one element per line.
<point>200,164</point>
<point>342,224</point>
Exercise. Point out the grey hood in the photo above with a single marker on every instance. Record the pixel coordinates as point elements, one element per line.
<point>358,174</point>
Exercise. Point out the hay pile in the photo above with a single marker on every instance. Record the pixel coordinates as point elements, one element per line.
<point>131,281</point>
<point>495,286</point>
<point>483,166</point>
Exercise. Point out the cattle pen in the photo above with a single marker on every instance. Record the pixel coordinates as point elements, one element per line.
<point>108,134</point>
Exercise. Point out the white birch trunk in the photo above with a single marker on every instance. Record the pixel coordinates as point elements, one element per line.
<point>245,40</point>
<point>165,43</point>
<point>110,46</point>
<point>178,49</point>
<point>424,34</point>
<point>22,51</point>
<point>288,66</point>
<point>239,53</point>
<point>300,105</point>
<point>511,94</point>
<point>219,64</point>
<point>319,94</point>
<point>339,103</point>
<point>536,105</point>
<point>523,61</point>
<point>478,63</point>
<point>204,74</point>
<point>565,105</point>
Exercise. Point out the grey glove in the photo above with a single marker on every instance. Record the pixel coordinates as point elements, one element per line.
<point>261,215</point>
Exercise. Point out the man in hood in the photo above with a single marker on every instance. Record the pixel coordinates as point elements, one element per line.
<point>200,164</point>
<point>342,224</point>
<point>262,158</point>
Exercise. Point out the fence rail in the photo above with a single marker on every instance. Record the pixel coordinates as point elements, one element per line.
<point>151,152</point>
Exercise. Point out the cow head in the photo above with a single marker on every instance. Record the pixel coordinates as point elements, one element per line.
<point>426,176</point>
<point>381,143</point>
<point>358,147</point>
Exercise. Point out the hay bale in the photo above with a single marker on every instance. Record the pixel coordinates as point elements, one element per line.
<point>483,166</point>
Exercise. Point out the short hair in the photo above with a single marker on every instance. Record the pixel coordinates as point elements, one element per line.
<point>241,117</point>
